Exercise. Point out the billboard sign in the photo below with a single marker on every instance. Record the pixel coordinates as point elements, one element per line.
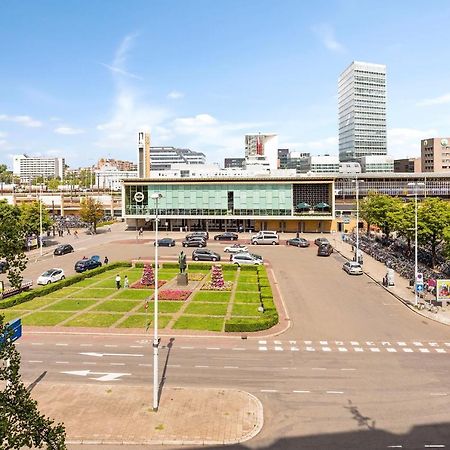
<point>442,290</point>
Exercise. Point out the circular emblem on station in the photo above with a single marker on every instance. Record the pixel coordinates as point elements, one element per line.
<point>139,197</point>
<point>444,142</point>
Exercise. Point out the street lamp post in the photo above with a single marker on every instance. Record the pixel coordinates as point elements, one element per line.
<point>356,181</point>
<point>416,185</point>
<point>156,196</point>
<point>40,220</point>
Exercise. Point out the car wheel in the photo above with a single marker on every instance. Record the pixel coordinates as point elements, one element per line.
<point>63,277</point>
<point>49,281</point>
<point>226,251</point>
<point>184,245</point>
<point>254,243</point>
<point>195,258</point>
<point>274,243</point>
<point>201,245</point>
<point>214,258</point>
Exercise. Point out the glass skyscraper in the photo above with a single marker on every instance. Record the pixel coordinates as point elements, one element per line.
<point>362,111</point>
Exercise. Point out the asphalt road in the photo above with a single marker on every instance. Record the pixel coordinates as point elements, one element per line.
<point>356,369</point>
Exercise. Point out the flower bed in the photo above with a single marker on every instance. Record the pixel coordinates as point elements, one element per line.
<point>195,276</point>
<point>209,286</point>
<point>139,285</point>
<point>173,294</point>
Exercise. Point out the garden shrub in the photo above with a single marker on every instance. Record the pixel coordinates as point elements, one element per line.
<point>248,325</point>
<point>248,268</point>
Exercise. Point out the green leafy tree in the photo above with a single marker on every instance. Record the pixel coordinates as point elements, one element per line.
<point>12,240</point>
<point>376,209</point>
<point>403,221</point>
<point>6,175</point>
<point>30,218</point>
<point>21,423</point>
<point>91,211</point>
<point>53,183</point>
<point>433,223</point>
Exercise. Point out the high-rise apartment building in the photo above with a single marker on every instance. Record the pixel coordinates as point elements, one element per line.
<point>262,147</point>
<point>362,111</point>
<point>435,154</point>
<point>29,167</point>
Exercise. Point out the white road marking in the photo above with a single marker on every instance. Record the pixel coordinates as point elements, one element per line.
<point>418,344</point>
<point>34,361</point>
<point>424,350</point>
<point>301,392</point>
<point>212,348</point>
<point>230,367</point>
<point>85,345</point>
<point>354,343</point>
<point>358,349</point>
<point>295,349</point>
<point>186,348</point>
<point>89,362</point>
<point>310,342</point>
<point>318,368</point>
<point>401,344</point>
<point>335,392</point>
<point>386,344</point>
<point>238,349</point>
<point>391,350</point>
<point>111,345</point>
<point>408,350</point>
<point>268,390</point>
<point>310,349</point>
<point>173,365</point>
<point>348,369</point>
<point>326,349</point>
<point>37,343</point>
<point>440,350</point>
<point>339,343</point>
<point>262,349</point>
<point>61,362</point>
<point>442,394</point>
<point>433,344</point>
<point>342,349</point>
<point>434,446</point>
<point>292,342</point>
<point>101,355</point>
<point>395,446</point>
<point>447,344</point>
<point>370,343</point>
<point>145,365</point>
<point>374,349</point>
<point>116,364</point>
<point>323,342</point>
<point>278,349</point>
<point>201,367</point>
<point>277,342</point>
<point>61,345</point>
<point>136,346</point>
<point>262,342</point>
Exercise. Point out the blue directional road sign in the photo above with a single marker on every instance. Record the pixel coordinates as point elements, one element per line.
<point>13,329</point>
<point>419,287</point>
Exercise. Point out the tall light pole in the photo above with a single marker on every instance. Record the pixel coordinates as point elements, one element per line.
<point>40,219</point>
<point>416,185</point>
<point>156,196</point>
<point>356,181</point>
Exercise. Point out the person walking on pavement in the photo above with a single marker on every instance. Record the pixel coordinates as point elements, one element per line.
<point>118,279</point>
<point>106,261</point>
<point>125,282</point>
<point>75,233</point>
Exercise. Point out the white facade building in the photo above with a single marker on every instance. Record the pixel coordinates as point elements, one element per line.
<point>323,164</point>
<point>110,177</point>
<point>349,167</point>
<point>163,158</point>
<point>262,145</point>
<point>377,163</point>
<point>362,111</point>
<point>28,168</point>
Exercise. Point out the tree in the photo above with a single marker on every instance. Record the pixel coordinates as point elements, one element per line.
<point>376,209</point>
<point>21,423</point>
<point>53,183</point>
<point>91,211</point>
<point>30,218</point>
<point>433,220</point>
<point>403,222</point>
<point>12,240</point>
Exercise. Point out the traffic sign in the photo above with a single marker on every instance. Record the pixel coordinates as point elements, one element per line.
<point>14,329</point>
<point>419,287</point>
<point>419,277</point>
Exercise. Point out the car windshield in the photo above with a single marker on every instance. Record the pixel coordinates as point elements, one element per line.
<point>47,273</point>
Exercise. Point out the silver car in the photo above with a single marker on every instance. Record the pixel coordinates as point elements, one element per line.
<point>352,268</point>
<point>51,276</point>
<point>245,258</point>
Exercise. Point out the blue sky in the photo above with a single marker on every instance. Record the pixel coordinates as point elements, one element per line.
<point>79,78</point>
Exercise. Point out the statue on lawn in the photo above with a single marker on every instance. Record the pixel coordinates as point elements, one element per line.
<point>182,262</point>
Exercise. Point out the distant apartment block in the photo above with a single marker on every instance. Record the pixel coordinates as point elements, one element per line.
<point>362,111</point>
<point>162,158</point>
<point>377,163</point>
<point>435,154</point>
<point>122,166</point>
<point>28,168</point>
<point>407,165</point>
<point>230,163</point>
<point>323,164</point>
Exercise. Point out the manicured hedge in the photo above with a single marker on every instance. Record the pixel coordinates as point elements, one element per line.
<point>29,295</point>
<point>266,291</point>
<point>248,325</point>
<point>197,266</point>
<point>248,268</point>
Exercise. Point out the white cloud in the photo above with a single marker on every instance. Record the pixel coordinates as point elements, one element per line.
<point>405,142</point>
<point>3,134</point>
<point>68,130</point>
<point>435,101</point>
<point>327,145</point>
<point>327,36</point>
<point>175,95</point>
<point>27,121</point>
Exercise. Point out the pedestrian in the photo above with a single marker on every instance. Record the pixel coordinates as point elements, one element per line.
<point>125,282</point>
<point>68,231</point>
<point>141,231</point>
<point>118,279</point>
<point>106,261</point>
<point>109,227</point>
<point>75,233</point>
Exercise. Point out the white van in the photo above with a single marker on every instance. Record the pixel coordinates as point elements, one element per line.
<point>265,237</point>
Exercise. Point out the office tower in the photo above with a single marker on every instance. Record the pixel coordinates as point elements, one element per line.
<point>435,154</point>
<point>362,111</point>
<point>28,168</point>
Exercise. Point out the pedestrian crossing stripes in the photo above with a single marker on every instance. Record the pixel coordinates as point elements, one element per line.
<point>356,346</point>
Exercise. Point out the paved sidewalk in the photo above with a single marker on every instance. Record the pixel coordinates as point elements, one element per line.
<point>377,270</point>
<point>118,414</point>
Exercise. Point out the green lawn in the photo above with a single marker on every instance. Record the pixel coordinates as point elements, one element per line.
<point>248,279</point>
<point>117,305</point>
<point>36,303</point>
<point>90,282</point>
<point>245,310</point>
<point>93,320</point>
<point>247,297</point>
<point>199,323</point>
<point>70,305</point>
<point>11,315</point>
<point>45,318</point>
<point>212,296</point>
<point>168,306</point>
<point>92,293</point>
<point>211,309</point>
<point>228,275</point>
<point>247,287</point>
<point>133,294</point>
<point>142,320</point>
